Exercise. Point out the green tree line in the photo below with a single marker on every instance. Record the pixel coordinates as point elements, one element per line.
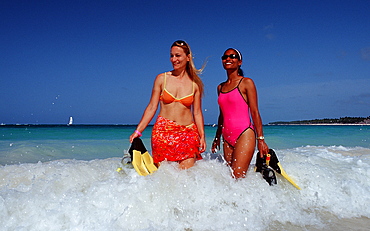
<point>342,120</point>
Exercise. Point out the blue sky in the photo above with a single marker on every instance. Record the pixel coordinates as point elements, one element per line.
<point>97,60</point>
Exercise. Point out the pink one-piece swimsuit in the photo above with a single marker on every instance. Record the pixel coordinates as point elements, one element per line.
<point>235,111</point>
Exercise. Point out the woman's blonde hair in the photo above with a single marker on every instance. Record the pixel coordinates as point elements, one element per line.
<point>192,71</point>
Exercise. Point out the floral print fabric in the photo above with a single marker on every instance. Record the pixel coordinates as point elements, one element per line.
<point>174,142</point>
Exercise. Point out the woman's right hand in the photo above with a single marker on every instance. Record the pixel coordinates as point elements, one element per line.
<point>215,145</point>
<point>262,148</point>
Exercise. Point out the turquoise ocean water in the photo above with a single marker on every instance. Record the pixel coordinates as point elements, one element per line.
<point>64,178</point>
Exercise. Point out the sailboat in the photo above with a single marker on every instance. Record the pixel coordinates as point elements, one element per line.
<point>70,122</point>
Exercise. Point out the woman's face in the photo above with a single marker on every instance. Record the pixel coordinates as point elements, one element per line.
<point>230,60</point>
<point>178,58</point>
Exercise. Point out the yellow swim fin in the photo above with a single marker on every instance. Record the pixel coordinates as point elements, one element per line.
<point>137,162</point>
<point>141,159</point>
<point>285,175</point>
<point>148,161</point>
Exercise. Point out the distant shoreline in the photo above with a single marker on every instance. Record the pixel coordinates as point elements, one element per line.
<point>327,124</point>
<point>150,125</point>
<point>349,121</point>
<point>343,121</point>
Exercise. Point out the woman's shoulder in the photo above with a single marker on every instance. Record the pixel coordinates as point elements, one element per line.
<point>247,80</point>
<point>247,83</point>
<point>159,79</point>
<point>161,76</point>
<point>222,83</point>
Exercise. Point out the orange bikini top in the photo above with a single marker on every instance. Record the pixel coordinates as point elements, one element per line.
<point>167,97</point>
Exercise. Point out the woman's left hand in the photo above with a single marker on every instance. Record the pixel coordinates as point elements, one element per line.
<point>202,146</point>
<point>263,148</point>
<point>215,145</point>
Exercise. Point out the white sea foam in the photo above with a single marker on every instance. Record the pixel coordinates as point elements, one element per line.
<point>91,195</point>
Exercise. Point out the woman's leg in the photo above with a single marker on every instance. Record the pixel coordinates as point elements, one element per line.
<point>243,153</point>
<point>187,163</point>
<point>228,153</point>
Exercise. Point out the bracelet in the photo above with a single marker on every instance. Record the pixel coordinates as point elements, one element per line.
<point>260,138</point>
<point>139,133</point>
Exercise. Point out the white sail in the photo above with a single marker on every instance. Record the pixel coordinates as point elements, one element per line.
<point>70,122</point>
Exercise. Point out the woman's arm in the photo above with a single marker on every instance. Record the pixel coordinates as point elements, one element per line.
<point>198,118</point>
<point>252,101</point>
<point>151,109</point>
<point>217,140</point>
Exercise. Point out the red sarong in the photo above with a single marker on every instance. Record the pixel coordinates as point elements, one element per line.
<point>174,142</point>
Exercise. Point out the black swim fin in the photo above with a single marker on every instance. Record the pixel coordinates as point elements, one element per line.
<point>142,161</point>
<point>138,145</point>
<point>267,173</point>
<point>272,161</point>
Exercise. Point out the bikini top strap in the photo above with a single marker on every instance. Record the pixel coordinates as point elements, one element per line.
<point>165,78</point>
<point>164,84</point>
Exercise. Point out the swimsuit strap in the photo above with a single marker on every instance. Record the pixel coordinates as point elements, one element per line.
<point>240,82</point>
<point>237,86</point>
<point>164,85</point>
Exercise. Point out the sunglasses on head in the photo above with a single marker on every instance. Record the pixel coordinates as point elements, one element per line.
<point>180,43</point>
<point>232,56</point>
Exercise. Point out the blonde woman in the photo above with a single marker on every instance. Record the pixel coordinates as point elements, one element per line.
<point>178,133</point>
